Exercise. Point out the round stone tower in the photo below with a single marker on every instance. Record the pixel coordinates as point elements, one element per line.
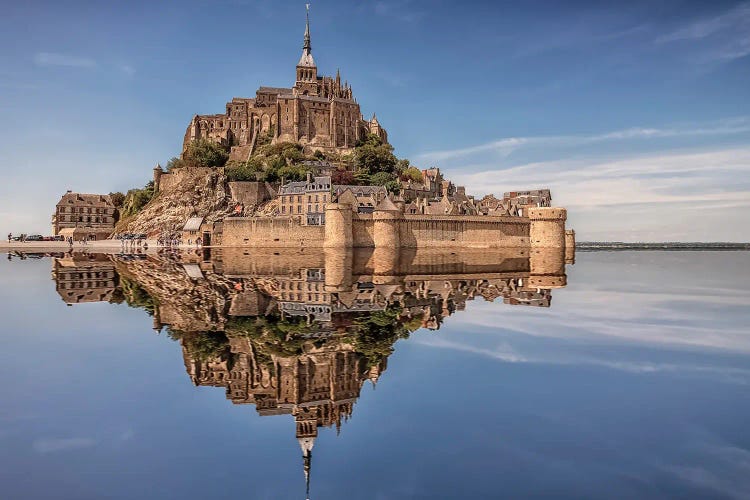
<point>570,246</point>
<point>547,227</point>
<point>386,217</point>
<point>157,177</point>
<point>338,232</point>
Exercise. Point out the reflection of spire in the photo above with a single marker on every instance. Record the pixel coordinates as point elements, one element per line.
<point>307,444</point>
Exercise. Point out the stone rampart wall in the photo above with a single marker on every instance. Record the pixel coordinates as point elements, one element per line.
<point>463,231</point>
<point>396,230</point>
<point>250,192</point>
<point>363,231</point>
<point>271,232</point>
<point>167,181</point>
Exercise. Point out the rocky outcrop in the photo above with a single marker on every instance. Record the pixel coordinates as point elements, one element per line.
<point>197,193</point>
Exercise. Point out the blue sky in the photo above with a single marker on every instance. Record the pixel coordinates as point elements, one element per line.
<point>635,114</point>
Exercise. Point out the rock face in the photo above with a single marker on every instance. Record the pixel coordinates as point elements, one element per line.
<point>198,193</point>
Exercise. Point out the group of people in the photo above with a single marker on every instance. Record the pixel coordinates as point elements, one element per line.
<point>169,240</point>
<point>174,240</point>
<point>134,243</point>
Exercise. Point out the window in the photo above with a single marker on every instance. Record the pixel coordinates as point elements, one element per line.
<point>299,209</point>
<point>309,208</point>
<point>283,209</point>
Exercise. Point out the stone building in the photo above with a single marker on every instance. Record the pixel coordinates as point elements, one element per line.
<point>319,112</point>
<point>84,216</point>
<point>515,203</point>
<point>306,200</point>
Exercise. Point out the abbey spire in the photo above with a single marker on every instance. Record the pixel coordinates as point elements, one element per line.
<point>307,58</point>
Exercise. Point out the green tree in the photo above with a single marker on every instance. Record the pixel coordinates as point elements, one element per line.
<point>412,174</point>
<point>205,153</point>
<point>244,171</point>
<point>382,178</point>
<point>402,165</point>
<point>117,199</point>
<point>136,199</point>
<point>175,162</point>
<point>374,156</point>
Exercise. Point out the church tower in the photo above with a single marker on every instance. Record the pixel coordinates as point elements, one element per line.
<point>307,71</point>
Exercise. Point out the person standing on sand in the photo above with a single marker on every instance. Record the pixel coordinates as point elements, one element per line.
<point>10,237</point>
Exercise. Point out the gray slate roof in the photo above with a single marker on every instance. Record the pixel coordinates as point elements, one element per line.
<point>193,224</point>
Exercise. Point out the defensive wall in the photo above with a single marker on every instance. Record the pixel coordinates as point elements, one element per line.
<point>251,193</point>
<point>167,181</point>
<point>392,229</point>
<point>271,232</point>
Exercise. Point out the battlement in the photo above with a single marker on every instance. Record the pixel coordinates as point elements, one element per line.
<point>547,213</point>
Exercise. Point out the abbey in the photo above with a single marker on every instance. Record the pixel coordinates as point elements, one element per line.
<point>319,112</point>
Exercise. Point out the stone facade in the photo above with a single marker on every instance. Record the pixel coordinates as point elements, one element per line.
<point>84,216</point>
<point>81,278</point>
<point>319,112</point>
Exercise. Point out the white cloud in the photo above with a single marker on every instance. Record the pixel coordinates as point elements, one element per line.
<point>505,146</point>
<point>697,180</point>
<point>54,59</point>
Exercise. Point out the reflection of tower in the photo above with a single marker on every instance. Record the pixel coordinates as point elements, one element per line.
<point>307,431</point>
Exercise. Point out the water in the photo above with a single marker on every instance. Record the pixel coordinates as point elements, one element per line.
<point>633,382</point>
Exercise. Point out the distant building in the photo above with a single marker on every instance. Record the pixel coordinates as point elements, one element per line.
<point>84,216</point>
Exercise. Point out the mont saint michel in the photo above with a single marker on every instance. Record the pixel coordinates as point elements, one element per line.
<point>301,167</point>
<point>374,250</point>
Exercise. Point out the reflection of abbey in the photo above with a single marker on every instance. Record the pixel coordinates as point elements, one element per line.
<point>319,112</point>
<point>299,333</point>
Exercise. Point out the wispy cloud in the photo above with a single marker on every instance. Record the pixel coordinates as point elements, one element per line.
<point>71,61</point>
<point>737,16</point>
<point>724,37</point>
<point>54,445</point>
<point>507,145</point>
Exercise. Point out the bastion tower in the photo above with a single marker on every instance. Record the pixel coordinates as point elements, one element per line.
<point>547,238</point>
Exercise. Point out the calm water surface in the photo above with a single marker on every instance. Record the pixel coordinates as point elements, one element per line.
<point>233,376</point>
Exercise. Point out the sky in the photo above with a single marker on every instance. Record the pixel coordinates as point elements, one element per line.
<point>636,114</point>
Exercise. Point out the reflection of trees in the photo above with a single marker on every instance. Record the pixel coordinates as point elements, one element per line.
<point>136,296</point>
<point>373,335</point>
<point>203,346</point>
